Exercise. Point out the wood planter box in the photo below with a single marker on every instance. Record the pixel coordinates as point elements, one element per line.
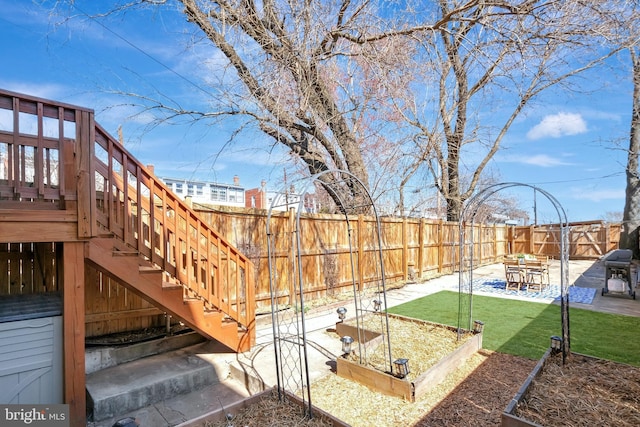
<point>220,414</point>
<point>508,419</point>
<point>391,385</point>
<point>615,396</point>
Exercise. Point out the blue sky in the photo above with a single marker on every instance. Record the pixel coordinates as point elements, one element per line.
<point>563,144</point>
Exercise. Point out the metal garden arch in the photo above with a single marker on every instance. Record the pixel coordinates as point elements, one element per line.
<point>466,248</point>
<point>285,260</point>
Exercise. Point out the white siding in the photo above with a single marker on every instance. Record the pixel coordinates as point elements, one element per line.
<point>31,361</point>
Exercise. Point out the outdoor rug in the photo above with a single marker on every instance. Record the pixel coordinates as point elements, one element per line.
<point>552,292</point>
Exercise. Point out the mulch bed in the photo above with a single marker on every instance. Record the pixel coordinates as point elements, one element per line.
<point>271,412</point>
<point>474,395</point>
<point>481,397</point>
<point>583,392</point>
<point>424,344</point>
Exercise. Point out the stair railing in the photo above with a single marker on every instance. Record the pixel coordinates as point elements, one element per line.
<point>55,157</point>
<point>140,210</point>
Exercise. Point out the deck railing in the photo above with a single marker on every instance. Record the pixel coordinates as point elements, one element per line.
<point>35,138</point>
<point>54,156</point>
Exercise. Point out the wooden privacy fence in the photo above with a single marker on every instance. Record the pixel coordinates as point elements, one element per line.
<point>587,240</point>
<point>413,249</point>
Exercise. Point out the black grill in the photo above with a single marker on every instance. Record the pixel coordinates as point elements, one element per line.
<point>618,264</point>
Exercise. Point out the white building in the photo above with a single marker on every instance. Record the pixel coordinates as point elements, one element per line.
<point>209,193</point>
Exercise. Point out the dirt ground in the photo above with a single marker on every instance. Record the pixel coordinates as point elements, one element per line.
<point>583,392</point>
<point>480,399</point>
<point>133,337</point>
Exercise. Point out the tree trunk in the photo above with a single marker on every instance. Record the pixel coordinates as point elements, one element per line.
<point>631,216</point>
<point>454,203</point>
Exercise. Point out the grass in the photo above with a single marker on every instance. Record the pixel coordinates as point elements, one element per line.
<point>523,328</point>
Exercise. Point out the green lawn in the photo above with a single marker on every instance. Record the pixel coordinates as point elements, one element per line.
<point>524,328</point>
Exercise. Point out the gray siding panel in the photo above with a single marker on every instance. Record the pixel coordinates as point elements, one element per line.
<point>31,361</point>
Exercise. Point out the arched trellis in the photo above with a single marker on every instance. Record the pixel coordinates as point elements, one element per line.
<point>465,287</point>
<point>285,261</point>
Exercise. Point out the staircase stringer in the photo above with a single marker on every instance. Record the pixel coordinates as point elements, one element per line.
<point>133,272</point>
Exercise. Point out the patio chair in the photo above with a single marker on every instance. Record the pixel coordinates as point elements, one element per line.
<point>536,275</point>
<point>513,273</point>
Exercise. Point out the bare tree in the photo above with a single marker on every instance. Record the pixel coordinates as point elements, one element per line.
<point>308,72</point>
<point>321,78</point>
<point>612,217</point>
<point>384,89</point>
<point>623,17</point>
<point>490,62</point>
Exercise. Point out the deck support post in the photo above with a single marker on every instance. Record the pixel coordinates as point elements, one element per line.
<point>73,277</point>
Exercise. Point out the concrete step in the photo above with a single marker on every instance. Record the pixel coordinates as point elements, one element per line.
<point>105,356</point>
<point>144,382</point>
<point>183,408</point>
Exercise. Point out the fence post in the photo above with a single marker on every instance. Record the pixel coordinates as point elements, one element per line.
<point>480,235</point>
<point>405,254</point>
<point>495,242</point>
<point>292,255</point>
<point>420,265</point>
<point>510,237</point>
<point>531,240</point>
<point>440,246</point>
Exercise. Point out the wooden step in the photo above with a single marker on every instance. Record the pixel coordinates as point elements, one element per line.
<point>149,269</point>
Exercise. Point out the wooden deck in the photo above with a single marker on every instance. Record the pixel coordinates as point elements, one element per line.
<point>74,200</point>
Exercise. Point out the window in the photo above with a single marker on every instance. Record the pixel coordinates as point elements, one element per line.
<point>236,196</point>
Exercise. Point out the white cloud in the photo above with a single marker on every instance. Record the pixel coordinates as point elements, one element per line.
<point>541,160</point>
<point>40,90</point>
<point>557,125</point>
<point>600,195</point>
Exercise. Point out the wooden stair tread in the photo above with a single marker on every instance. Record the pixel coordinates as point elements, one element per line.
<point>171,285</point>
<point>149,269</point>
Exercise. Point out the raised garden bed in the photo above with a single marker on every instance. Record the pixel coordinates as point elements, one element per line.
<point>585,391</point>
<point>440,350</point>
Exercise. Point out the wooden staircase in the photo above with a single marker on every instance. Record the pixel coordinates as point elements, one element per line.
<point>68,180</point>
<point>160,249</point>
<point>152,284</point>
